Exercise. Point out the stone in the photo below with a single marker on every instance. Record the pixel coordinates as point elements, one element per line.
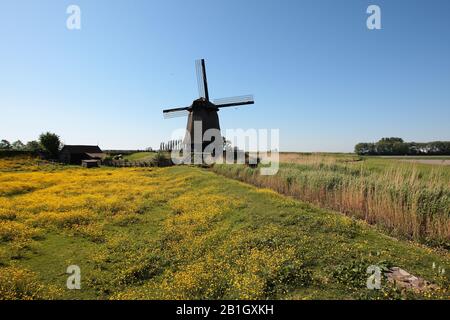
<point>404,280</point>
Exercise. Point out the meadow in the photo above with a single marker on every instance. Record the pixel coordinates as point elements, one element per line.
<point>140,156</point>
<point>186,233</point>
<point>406,200</point>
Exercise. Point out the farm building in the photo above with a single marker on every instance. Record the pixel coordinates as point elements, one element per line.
<point>90,163</point>
<point>76,154</point>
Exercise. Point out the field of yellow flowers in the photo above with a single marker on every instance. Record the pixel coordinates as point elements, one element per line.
<point>185,233</point>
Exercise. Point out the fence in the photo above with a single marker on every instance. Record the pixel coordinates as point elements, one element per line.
<point>136,164</point>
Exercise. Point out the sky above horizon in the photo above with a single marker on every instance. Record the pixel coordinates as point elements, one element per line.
<point>318,74</point>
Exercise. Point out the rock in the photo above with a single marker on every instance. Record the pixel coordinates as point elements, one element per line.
<point>404,280</point>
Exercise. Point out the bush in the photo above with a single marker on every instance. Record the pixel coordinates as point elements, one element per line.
<point>161,160</point>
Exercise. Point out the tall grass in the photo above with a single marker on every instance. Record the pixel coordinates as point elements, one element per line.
<point>407,200</point>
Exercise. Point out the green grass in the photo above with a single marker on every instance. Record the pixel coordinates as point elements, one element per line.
<point>140,156</point>
<point>415,157</point>
<point>192,234</point>
<point>380,164</point>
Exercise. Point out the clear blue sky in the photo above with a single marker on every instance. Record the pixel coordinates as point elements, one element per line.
<point>317,73</point>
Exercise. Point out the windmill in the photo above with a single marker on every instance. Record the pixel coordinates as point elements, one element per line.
<point>203,110</point>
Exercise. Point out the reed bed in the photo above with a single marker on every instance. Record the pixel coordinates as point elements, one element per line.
<point>405,199</point>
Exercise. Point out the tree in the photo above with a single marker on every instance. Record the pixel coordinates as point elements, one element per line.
<point>365,148</point>
<point>5,145</point>
<point>50,143</point>
<point>18,145</point>
<point>33,146</point>
<point>396,146</point>
<point>391,140</point>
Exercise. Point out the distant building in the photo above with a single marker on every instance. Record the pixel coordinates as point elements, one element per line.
<point>90,163</point>
<point>76,154</point>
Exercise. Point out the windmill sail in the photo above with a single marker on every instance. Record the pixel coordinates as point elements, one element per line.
<point>202,82</point>
<point>176,112</point>
<point>234,101</point>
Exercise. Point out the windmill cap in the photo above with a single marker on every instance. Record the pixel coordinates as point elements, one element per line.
<point>203,103</point>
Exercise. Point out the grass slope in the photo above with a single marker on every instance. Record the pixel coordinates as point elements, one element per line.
<point>184,232</point>
<point>140,156</point>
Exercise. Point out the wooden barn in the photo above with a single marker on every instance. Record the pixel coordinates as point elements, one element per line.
<point>72,154</point>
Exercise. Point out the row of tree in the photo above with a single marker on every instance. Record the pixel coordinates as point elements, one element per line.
<point>48,143</point>
<point>396,147</point>
<point>171,145</point>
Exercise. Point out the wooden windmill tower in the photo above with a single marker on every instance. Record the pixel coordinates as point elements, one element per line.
<point>203,110</point>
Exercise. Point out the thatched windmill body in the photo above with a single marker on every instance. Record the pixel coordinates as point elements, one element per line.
<point>203,110</point>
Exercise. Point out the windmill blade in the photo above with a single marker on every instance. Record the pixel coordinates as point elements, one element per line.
<point>234,101</point>
<point>202,82</point>
<point>176,112</point>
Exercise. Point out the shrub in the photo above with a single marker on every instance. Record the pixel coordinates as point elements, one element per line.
<point>161,160</point>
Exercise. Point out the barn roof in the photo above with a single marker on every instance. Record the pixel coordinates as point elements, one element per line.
<point>96,155</point>
<point>81,149</point>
